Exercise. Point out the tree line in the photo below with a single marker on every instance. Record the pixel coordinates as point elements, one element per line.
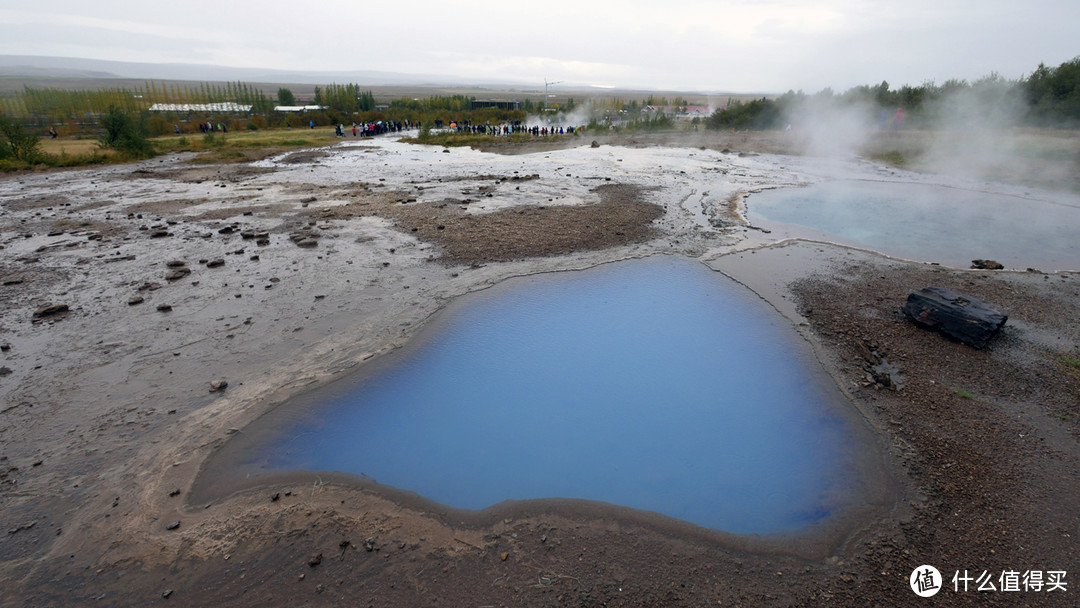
<point>1049,96</point>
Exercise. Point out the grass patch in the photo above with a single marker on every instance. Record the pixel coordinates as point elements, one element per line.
<point>1070,362</point>
<point>964,393</point>
<point>894,158</point>
<point>240,146</point>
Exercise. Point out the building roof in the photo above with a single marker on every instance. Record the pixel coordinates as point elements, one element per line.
<point>225,106</point>
<point>298,108</point>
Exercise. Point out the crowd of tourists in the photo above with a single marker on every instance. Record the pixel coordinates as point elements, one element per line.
<point>516,126</point>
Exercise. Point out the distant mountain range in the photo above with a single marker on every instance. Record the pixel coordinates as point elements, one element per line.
<point>35,66</point>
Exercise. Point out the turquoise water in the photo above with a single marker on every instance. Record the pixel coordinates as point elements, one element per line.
<point>929,223</point>
<point>655,384</point>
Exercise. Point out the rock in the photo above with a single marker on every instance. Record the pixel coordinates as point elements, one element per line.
<point>177,273</point>
<point>887,375</point>
<point>226,230</point>
<point>133,300</point>
<point>157,234</point>
<point>986,265</point>
<point>167,593</point>
<point>262,242</point>
<point>965,318</point>
<point>5,371</point>
<point>594,144</point>
<point>164,308</point>
<point>307,243</point>
<point>176,264</point>
<point>315,560</point>
<point>215,263</point>
<point>49,310</point>
<point>174,525</point>
<point>218,385</point>
<point>174,493</point>
<point>369,544</point>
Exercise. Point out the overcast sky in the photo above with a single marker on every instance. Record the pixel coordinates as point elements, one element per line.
<point>711,45</point>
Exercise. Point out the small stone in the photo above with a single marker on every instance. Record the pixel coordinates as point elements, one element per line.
<point>218,385</point>
<point>504,556</point>
<point>986,265</point>
<point>135,300</point>
<point>175,492</point>
<point>164,308</point>
<point>5,371</point>
<point>176,264</point>
<point>215,263</point>
<point>276,497</point>
<point>226,230</point>
<point>174,525</point>
<point>315,560</point>
<point>177,273</point>
<point>307,243</point>
<point>369,544</point>
<point>49,310</point>
<point>167,593</point>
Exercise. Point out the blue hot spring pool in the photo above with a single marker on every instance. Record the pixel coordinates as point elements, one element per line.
<point>655,384</point>
<point>930,223</point>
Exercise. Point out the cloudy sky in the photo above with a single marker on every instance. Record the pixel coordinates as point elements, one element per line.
<point>711,45</point>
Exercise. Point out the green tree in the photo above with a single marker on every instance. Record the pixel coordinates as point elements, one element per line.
<point>125,134</point>
<point>285,97</point>
<point>18,144</point>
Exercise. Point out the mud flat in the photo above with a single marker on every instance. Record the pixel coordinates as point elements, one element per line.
<point>199,297</point>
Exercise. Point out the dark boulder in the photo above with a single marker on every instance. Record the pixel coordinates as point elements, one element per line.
<point>962,317</point>
<point>49,310</point>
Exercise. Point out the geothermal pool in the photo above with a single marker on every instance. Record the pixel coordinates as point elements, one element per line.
<point>655,384</point>
<point>929,223</point>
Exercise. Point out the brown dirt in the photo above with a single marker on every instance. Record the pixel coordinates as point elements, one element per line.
<point>621,217</point>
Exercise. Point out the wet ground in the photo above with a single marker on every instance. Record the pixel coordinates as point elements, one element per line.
<point>130,294</point>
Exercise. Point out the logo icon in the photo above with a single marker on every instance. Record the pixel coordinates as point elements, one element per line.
<point>926,581</point>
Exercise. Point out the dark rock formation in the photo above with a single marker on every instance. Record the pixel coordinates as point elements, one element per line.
<point>958,316</point>
<point>49,310</point>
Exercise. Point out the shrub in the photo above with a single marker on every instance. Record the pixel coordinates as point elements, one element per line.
<point>124,134</point>
<point>18,145</point>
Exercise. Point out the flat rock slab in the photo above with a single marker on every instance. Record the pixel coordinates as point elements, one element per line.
<point>959,316</point>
